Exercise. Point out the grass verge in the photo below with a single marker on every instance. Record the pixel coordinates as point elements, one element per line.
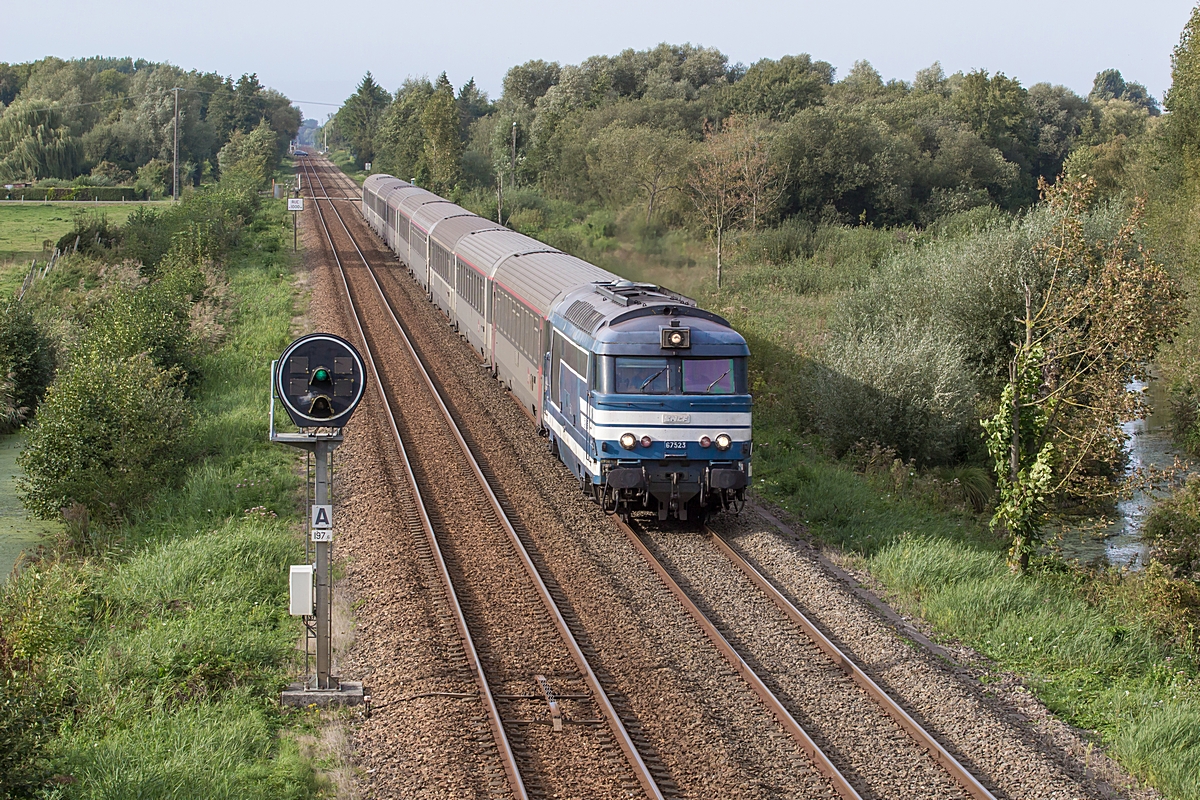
<point>160,663</point>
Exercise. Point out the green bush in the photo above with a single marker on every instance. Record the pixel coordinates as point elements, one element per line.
<point>54,193</point>
<point>1173,530</point>
<point>153,319</point>
<point>110,433</point>
<point>26,359</point>
<point>90,233</point>
<point>24,730</point>
<point>145,237</point>
<point>789,241</point>
<point>904,386</point>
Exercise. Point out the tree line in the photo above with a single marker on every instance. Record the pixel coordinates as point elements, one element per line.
<point>110,121</point>
<point>639,128</point>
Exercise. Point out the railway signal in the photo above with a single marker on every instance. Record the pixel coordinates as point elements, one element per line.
<point>319,380</point>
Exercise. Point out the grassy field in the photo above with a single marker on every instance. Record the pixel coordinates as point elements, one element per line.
<point>30,230</point>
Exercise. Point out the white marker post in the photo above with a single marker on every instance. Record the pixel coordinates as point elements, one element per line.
<point>295,205</point>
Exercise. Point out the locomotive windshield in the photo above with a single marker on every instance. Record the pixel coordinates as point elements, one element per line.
<point>643,376</point>
<point>708,376</point>
<point>671,375</point>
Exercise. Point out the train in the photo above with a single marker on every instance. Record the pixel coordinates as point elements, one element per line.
<point>640,393</point>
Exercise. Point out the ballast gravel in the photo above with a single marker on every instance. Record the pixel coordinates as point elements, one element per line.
<point>1016,748</point>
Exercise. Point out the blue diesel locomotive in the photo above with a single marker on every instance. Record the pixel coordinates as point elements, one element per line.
<point>641,393</point>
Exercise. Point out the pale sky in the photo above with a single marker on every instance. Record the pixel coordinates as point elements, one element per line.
<point>317,52</point>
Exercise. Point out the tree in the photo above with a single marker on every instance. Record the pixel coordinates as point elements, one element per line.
<point>525,83</point>
<point>358,120</point>
<point>472,105</point>
<point>400,142</point>
<point>443,137</point>
<point>1110,85</point>
<point>252,154</point>
<point>762,175</point>
<point>641,161</point>
<point>780,88</point>
<point>35,143</point>
<point>1095,314</point>
<point>717,184</point>
<point>1183,98</point>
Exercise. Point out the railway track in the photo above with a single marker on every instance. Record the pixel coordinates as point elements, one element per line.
<point>705,602</point>
<point>555,729</point>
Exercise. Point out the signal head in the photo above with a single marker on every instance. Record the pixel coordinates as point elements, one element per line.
<point>320,379</point>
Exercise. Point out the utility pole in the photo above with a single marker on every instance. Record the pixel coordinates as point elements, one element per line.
<point>514,155</point>
<point>175,181</point>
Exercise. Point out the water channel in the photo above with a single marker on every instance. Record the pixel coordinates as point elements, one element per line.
<point>1150,446</point>
<point>18,532</point>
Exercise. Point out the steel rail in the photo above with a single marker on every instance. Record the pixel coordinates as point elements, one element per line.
<point>507,756</point>
<point>821,761</point>
<point>940,754</point>
<point>616,726</point>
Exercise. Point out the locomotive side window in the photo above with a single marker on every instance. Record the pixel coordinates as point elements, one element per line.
<point>568,356</point>
<point>643,376</point>
<point>708,376</point>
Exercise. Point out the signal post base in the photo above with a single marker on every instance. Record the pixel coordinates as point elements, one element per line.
<point>348,693</point>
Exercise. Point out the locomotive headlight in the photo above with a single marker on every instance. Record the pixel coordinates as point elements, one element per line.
<point>646,441</point>
<point>723,441</point>
<point>705,441</point>
<point>628,441</point>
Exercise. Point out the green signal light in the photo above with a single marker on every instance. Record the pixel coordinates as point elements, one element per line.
<point>321,374</point>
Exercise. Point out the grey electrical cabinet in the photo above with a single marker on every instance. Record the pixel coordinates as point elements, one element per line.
<point>302,600</point>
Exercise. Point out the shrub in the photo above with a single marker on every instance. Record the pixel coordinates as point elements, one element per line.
<point>1173,530</point>
<point>153,319</point>
<point>26,358</point>
<point>24,730</point>
<point>791,240</point>
<point>109,434</point>
<point>146,237</point>
<point>905,386</point>
<point>92,232</point>
<point>529,221</point>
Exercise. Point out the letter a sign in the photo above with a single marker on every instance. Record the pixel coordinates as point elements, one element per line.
<point>322,517</point>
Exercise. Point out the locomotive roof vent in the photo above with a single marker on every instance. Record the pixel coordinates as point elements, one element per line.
<point>584,315</point>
